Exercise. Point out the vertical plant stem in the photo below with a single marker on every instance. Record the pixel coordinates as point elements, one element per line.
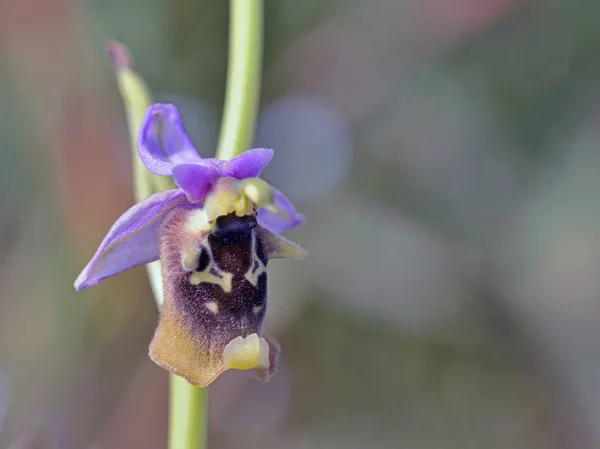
<point>242,94</point>
<point>188,405</point>
<point>188,420</point>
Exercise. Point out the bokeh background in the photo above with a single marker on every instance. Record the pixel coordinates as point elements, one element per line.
<point>446,153</point>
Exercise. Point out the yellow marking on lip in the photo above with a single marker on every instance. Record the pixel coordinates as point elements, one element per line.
<point>212,306</point>
<point>256,267</point>
<point>256,309</point>
<point>220,278</point>
<point>189,257</point>
<point>212,274</point>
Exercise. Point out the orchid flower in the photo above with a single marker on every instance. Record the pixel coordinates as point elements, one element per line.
<point>214,234</point>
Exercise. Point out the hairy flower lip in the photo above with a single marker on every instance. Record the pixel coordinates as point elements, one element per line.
<point>262,357</point>
<point>218,300</point>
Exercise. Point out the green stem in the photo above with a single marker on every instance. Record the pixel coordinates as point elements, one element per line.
<point>188,421</point>
<point>188,407</point>
<point>242,94</point>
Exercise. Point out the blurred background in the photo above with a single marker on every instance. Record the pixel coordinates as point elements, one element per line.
<point>446,154</point>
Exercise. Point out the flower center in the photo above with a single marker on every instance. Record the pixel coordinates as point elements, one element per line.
<point>239,197</point>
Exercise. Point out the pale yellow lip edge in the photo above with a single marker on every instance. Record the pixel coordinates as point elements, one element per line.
<point>245,353</point>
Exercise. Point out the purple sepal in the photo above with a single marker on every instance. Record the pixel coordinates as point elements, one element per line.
<point>163,142</point>
<point>286,219</point>
<point>195,179</point>
<point>249,164</point>
<point>132,240</point>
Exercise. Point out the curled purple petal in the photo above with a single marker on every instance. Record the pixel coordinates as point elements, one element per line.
<point>163,141</point>
<point>132,240</point>
<point>286,219</point>
<point>195,179</point>
<point>249,164</point>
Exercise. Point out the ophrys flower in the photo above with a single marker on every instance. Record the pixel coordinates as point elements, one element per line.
<point>214,235</point>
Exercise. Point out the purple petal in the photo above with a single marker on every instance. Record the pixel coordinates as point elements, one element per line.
<point>163,142</point>
<point>283,221</point>
<point>195,179</point>
<point>132,240</point>
<point>249,164</point>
